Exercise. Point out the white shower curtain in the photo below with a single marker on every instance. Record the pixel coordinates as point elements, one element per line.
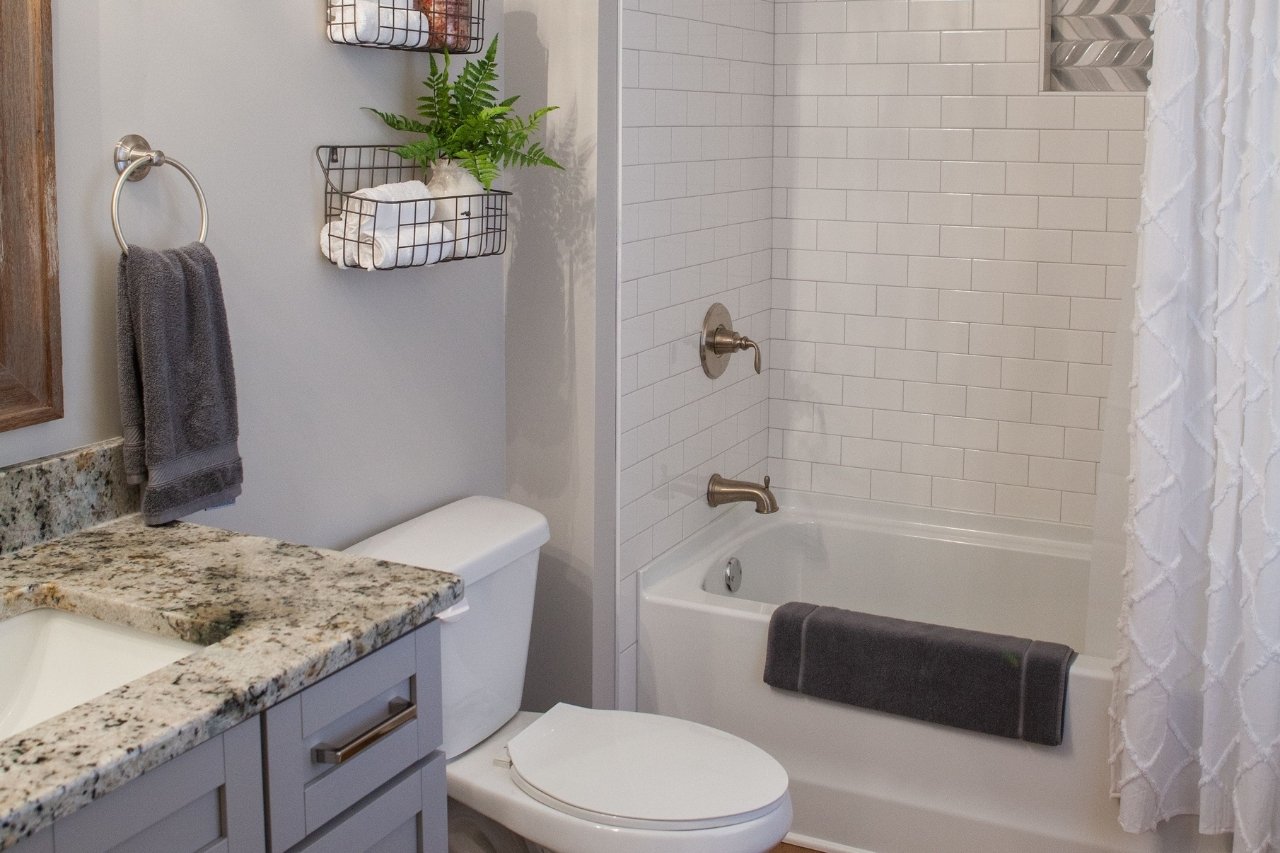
<point>1196,714</point>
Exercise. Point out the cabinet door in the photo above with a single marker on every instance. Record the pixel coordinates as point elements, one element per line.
<point>407,815</point>
<point>207,800</point>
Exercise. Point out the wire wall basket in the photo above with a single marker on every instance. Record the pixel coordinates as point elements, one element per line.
<point>453,25</point>
<point>401,225</point>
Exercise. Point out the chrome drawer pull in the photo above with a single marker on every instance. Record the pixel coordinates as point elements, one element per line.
<point>401,712</point>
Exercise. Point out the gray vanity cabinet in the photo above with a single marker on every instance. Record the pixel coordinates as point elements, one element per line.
<point>207,800</point>
<point>352,764</point>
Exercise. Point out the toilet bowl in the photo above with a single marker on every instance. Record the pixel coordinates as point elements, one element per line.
<point>573,780</point>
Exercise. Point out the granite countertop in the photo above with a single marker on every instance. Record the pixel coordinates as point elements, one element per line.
<point>274,618</point>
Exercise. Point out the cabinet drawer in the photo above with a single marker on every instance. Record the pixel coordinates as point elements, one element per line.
<point>384,709</point>
<point>406,816</point>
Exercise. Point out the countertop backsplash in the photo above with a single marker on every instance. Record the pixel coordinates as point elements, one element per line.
<point>62,494</point>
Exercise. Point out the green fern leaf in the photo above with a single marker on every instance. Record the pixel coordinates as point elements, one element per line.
<point>396,122</point>
<point>424,152</point>
<point>462,119</point>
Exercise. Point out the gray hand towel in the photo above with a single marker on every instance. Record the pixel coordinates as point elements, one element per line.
<point>177,386</point>
<point>991,683</point>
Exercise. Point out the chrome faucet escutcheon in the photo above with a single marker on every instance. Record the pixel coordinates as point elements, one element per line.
<point>721,490</point>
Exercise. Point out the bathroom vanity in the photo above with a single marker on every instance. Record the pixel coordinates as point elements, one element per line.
<point>308,718</point>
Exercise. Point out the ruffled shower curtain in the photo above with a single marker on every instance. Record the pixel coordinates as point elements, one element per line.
<point>1196,714</point>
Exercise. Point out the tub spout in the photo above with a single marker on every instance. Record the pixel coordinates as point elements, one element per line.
<point>723,491</point>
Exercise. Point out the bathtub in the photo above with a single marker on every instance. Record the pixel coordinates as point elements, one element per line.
<point>866,781</point>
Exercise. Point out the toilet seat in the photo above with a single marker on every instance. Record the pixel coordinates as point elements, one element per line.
<point>481,780</point>
<point>643,771</point>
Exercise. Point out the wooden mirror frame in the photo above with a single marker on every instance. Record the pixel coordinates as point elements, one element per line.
<point>30,330</point>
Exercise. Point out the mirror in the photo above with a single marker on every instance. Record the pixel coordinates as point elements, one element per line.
<point>30,345</point>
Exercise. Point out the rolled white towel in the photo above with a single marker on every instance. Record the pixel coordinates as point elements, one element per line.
<point>409,245</point>
<point>353,21</point>
<point>383,209</point>
<point>391,23</point>
<point>414,245</point>
<point>335,246</point>
<point>403,28</point>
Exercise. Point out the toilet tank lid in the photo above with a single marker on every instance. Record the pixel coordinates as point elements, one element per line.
<point>471,538</point>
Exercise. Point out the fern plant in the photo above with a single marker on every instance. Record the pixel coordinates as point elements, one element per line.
<point>463,120</point>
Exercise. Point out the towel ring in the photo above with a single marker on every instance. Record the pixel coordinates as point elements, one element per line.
<point>134,158</point>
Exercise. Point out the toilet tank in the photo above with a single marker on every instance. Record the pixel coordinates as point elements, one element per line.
<point>493,545</point>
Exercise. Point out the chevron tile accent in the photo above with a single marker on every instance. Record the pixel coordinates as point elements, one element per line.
<point>1100,45</point>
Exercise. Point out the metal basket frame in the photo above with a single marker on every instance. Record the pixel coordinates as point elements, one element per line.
<point>396,30</point>
<point>362,239</point>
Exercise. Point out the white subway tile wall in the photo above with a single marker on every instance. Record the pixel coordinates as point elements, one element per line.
<point>929,251</point>
<point>981,307</point>
<point>697,228</point>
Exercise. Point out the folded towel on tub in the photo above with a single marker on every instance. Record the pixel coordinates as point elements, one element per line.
<point>177,385</point>
<point>991,683</point>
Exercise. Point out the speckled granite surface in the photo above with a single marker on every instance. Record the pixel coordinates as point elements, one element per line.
<point>277,618</point>
<point>62,494</point>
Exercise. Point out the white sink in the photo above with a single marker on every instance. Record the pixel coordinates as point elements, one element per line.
<point>51,661</point>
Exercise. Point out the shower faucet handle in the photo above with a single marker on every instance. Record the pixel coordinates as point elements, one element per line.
<point>747,343</point>
<point>727,342</point>
<point>720,341</point>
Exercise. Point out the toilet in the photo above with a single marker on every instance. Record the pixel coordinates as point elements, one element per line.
<point>572,780</point>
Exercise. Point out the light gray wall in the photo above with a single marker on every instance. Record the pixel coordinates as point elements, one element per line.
<point>559,441</point>
<point>364,397</point>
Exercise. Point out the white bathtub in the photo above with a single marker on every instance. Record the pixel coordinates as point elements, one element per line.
<point>863,780</point>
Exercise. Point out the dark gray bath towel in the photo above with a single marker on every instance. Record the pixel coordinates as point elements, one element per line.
<point>177,387</point>
<point>1000,685</point>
